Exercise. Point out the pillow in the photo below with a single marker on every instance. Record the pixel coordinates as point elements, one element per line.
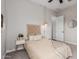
<point>35,37</point>
<point>31,37</point>
<point>40,43</point>
<point>39,37</point>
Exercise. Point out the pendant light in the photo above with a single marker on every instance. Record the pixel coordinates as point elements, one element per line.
<point>45,16</point>
<point>45,21</point>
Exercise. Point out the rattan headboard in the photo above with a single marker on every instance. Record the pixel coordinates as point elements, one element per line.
<point>33,29</point>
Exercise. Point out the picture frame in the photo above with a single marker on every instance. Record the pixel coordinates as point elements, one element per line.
<point>72,23</point>
<point>2,20</point>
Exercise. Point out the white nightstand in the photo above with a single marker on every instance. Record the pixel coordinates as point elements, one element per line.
<point>20,42</point>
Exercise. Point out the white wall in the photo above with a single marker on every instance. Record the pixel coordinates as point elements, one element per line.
<point>70,14</point>
<point>3,30</point>
<point>19,14</point>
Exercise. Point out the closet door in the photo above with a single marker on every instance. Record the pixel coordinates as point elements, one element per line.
<point>60,28</point>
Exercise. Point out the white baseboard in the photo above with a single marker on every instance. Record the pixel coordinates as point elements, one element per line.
<point>8,51</point>
<point>3,57</point>
<point>71,43</point>
<point>20,48</point>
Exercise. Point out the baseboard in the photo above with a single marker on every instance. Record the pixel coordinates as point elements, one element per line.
<point>71,43</point>
<point>20,48</point>
<point>8,51</point>
<point>3,57</point>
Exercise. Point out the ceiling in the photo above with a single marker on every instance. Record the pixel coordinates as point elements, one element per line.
<point>55,5</point>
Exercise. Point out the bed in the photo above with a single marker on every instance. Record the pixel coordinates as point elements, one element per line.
<point>45,48</point>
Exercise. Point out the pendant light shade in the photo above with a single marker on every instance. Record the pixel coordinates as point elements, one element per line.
<point>45,16</point>
<point>44,22</point>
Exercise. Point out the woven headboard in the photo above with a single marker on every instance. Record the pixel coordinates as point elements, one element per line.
<point>33,29</point>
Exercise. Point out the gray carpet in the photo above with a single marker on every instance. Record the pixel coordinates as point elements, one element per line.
<point>23,55</point>
<point>74,51</point>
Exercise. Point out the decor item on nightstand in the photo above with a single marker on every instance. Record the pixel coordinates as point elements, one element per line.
<point>20,36</point>
<point>20,41</point>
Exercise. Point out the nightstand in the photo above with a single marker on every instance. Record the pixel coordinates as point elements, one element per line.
<point>20,42</point>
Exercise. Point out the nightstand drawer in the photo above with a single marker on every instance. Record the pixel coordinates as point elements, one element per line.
<point>19,42</point>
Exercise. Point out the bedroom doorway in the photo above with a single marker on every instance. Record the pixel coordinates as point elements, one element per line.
<point>58,28</point>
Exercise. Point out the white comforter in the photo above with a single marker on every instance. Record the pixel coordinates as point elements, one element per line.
<point>47,49</point>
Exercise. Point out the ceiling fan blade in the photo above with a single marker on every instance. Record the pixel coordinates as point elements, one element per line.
<point>50,1</point>
<point>61,1</point>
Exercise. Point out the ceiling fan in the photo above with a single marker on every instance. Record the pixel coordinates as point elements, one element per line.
<point>60,1</point>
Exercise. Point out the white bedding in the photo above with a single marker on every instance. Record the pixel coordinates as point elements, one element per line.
<point>47,49</point>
